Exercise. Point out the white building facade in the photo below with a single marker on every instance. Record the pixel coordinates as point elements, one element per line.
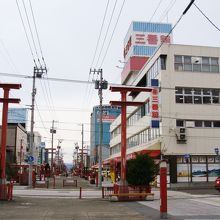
<point>189,112</point>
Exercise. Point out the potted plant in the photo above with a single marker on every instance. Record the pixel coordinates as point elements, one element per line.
<point>141,171</point>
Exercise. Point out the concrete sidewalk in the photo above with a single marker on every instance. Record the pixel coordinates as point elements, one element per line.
<point>23,208</point>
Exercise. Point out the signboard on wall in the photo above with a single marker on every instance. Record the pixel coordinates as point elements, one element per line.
<point>146,34</point>
<point>17,115</point>
<point>106,117</point>
<point>155,122</point>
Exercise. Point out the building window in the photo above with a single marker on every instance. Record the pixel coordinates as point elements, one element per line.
<point>198,123</point>
<point>180,123</point>
<point>208,124</point>
<point>197,95</point>
<point>196,64</point>
<point>216,124</point>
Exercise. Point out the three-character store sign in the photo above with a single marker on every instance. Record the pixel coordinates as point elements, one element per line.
<point>154,104</point>
<point>146,39</point>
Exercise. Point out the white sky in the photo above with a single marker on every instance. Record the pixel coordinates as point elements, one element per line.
<point>68,31</point>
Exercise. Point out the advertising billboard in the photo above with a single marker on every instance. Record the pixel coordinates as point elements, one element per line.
<point>17,115</point>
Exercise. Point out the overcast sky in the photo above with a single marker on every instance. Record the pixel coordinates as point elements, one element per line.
<point>68,32</point>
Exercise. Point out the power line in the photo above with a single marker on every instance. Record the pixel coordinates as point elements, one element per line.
<point>32,36</point>
<point>206,17</point>
<point>106,33</point>
<point>46,96</point>
<point>100,33</point>
<point>38,38</point>
<point>103,21</point>
<point>27,38</point>
<point>112,33</point>
<point>155,10</point>
<point>41,118</point>
<point>169,7</point>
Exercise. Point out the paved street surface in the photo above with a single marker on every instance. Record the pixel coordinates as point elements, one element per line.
<point>64,203</point>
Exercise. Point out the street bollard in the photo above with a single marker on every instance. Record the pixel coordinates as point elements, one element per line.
<point>163,189</point>
<point>54,182</point>
<point>103,195</point>
<point>80,192</point>
<point>96,179</point>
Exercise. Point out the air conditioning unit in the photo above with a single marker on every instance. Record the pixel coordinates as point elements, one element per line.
<point>196,60</point>
<point>181,135</point>
<point>190,124</point>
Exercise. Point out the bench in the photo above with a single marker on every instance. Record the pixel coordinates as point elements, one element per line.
<point>41,184</point>
<point>131,196</point>
<point>69,183</point>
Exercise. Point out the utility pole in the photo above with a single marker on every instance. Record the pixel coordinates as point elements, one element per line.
<point>52,131</point>
<point>58,161</point>
<point>100,85</point>
<point>38,72</point>
<point>82,163</point>
<point>76,148</point>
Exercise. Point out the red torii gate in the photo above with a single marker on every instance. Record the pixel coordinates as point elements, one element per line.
<point>124,103</point>
<point>6,100</point>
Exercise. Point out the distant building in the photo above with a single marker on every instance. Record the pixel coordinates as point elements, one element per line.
<point>109,113</point>
<point>16,146</point>
<point>41,153</point>
<point>36,146</point>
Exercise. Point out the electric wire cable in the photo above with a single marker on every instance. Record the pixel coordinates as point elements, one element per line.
<point>169,7</point>
<point>50,95</point>
<point>27,38</point>
<point>157,7</point>
<point>37,34</point>
<point>207,17</point>
<point>31,33</point>
<point>100,33</point>
<point>106,33</point>
<point>112,33</point>
<point>41,119</point>
<point>46,96</point>
<point>8,57</point>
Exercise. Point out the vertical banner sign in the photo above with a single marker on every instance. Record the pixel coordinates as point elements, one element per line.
<point>155,121</point>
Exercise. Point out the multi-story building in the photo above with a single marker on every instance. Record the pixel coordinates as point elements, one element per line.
<point>140,42</point>
<point>16,145</point>
<point>109,113</point>
<point>189,112</point>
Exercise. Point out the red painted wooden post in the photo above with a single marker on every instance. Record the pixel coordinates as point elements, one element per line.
<point>80,192</point>
<point>6,100</point>
<point>163,189</point>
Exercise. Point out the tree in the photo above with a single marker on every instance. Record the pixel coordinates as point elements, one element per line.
<point>141,171</point>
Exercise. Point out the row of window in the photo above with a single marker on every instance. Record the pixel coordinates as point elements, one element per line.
<point>196,64</point>
<point>197,95</point>
<point>137,115</point>
<point>197,123</point>
<point>198,159</point>
<point>143,137</point>
<point>138,139</point>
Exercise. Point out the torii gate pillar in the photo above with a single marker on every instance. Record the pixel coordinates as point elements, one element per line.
<point>6,100</point>
<point>124,103</point>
